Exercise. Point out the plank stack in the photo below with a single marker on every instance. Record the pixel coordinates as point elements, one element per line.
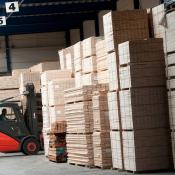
<point>101,61</point>
<point>9,87</point>
<point>46,77</point>
<point>57,142</point>
<point>89,66</point>
<point>120,27</point>
<point>79,118</point>
<point>66,57</point>
<point>170,65</point>
<point>56,89</point>
<point>78,54</point>
<point>143,106</point>
<point>101,128</point>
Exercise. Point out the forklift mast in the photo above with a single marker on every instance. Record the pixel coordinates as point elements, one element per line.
<point>30,115</point>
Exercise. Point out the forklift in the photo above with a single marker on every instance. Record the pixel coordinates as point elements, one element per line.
<point>19,132</point>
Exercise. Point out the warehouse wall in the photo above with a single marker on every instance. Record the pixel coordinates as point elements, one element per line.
<point>30,49</point>
<point>125,4</point>
<point>149,3</point>
<point>129,4</point>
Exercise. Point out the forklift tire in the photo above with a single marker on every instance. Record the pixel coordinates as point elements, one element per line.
<point>30,146</point>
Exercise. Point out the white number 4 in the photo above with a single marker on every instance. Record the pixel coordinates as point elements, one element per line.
<point>2,20</point>
<point>12,7</point>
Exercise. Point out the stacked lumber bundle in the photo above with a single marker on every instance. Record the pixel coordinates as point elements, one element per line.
<point>44,66</point>
<point>89,66</point>
<point>57,142</point>
<point>173,146</point>
<point>101,61</point>
<point>170,32</point>
<point>165,29</point>
<point>79,118</point>
<point>67,59</point>
<point>143,106</point>
<point>101,130</point>
<point>56,89</point>
<point>80,149</point>
<point>55,111</point>
<point>9,87</point>
<point>120,26</point>
<point>30,77</point>
<point>78,54</point>
<point>145,150</point>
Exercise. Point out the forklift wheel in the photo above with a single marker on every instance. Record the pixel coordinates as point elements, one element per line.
<point>30,146</point>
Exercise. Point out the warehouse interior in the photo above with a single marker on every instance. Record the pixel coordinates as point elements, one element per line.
<point>87,86</point>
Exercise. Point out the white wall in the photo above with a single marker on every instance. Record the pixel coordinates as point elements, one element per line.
<point>30,49</point>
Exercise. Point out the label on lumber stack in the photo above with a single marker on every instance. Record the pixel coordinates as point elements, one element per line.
<point>121,26</point>
<point>102,149</point>
<point>146,150</point>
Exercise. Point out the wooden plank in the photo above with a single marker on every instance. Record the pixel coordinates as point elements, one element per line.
<point>102,149</point>
<point>121,26</point>
<point>144,108</point>
<point>142,75</point>
<point>116,148</point>
<point>80,149</point>
<point>146,150</point>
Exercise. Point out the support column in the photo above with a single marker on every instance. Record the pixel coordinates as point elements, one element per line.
<point>8,57</point>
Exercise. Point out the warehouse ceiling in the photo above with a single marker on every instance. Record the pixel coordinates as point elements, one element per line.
<point>51,15</point>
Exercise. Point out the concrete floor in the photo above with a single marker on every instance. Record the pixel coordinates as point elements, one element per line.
<point>18,164</point>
